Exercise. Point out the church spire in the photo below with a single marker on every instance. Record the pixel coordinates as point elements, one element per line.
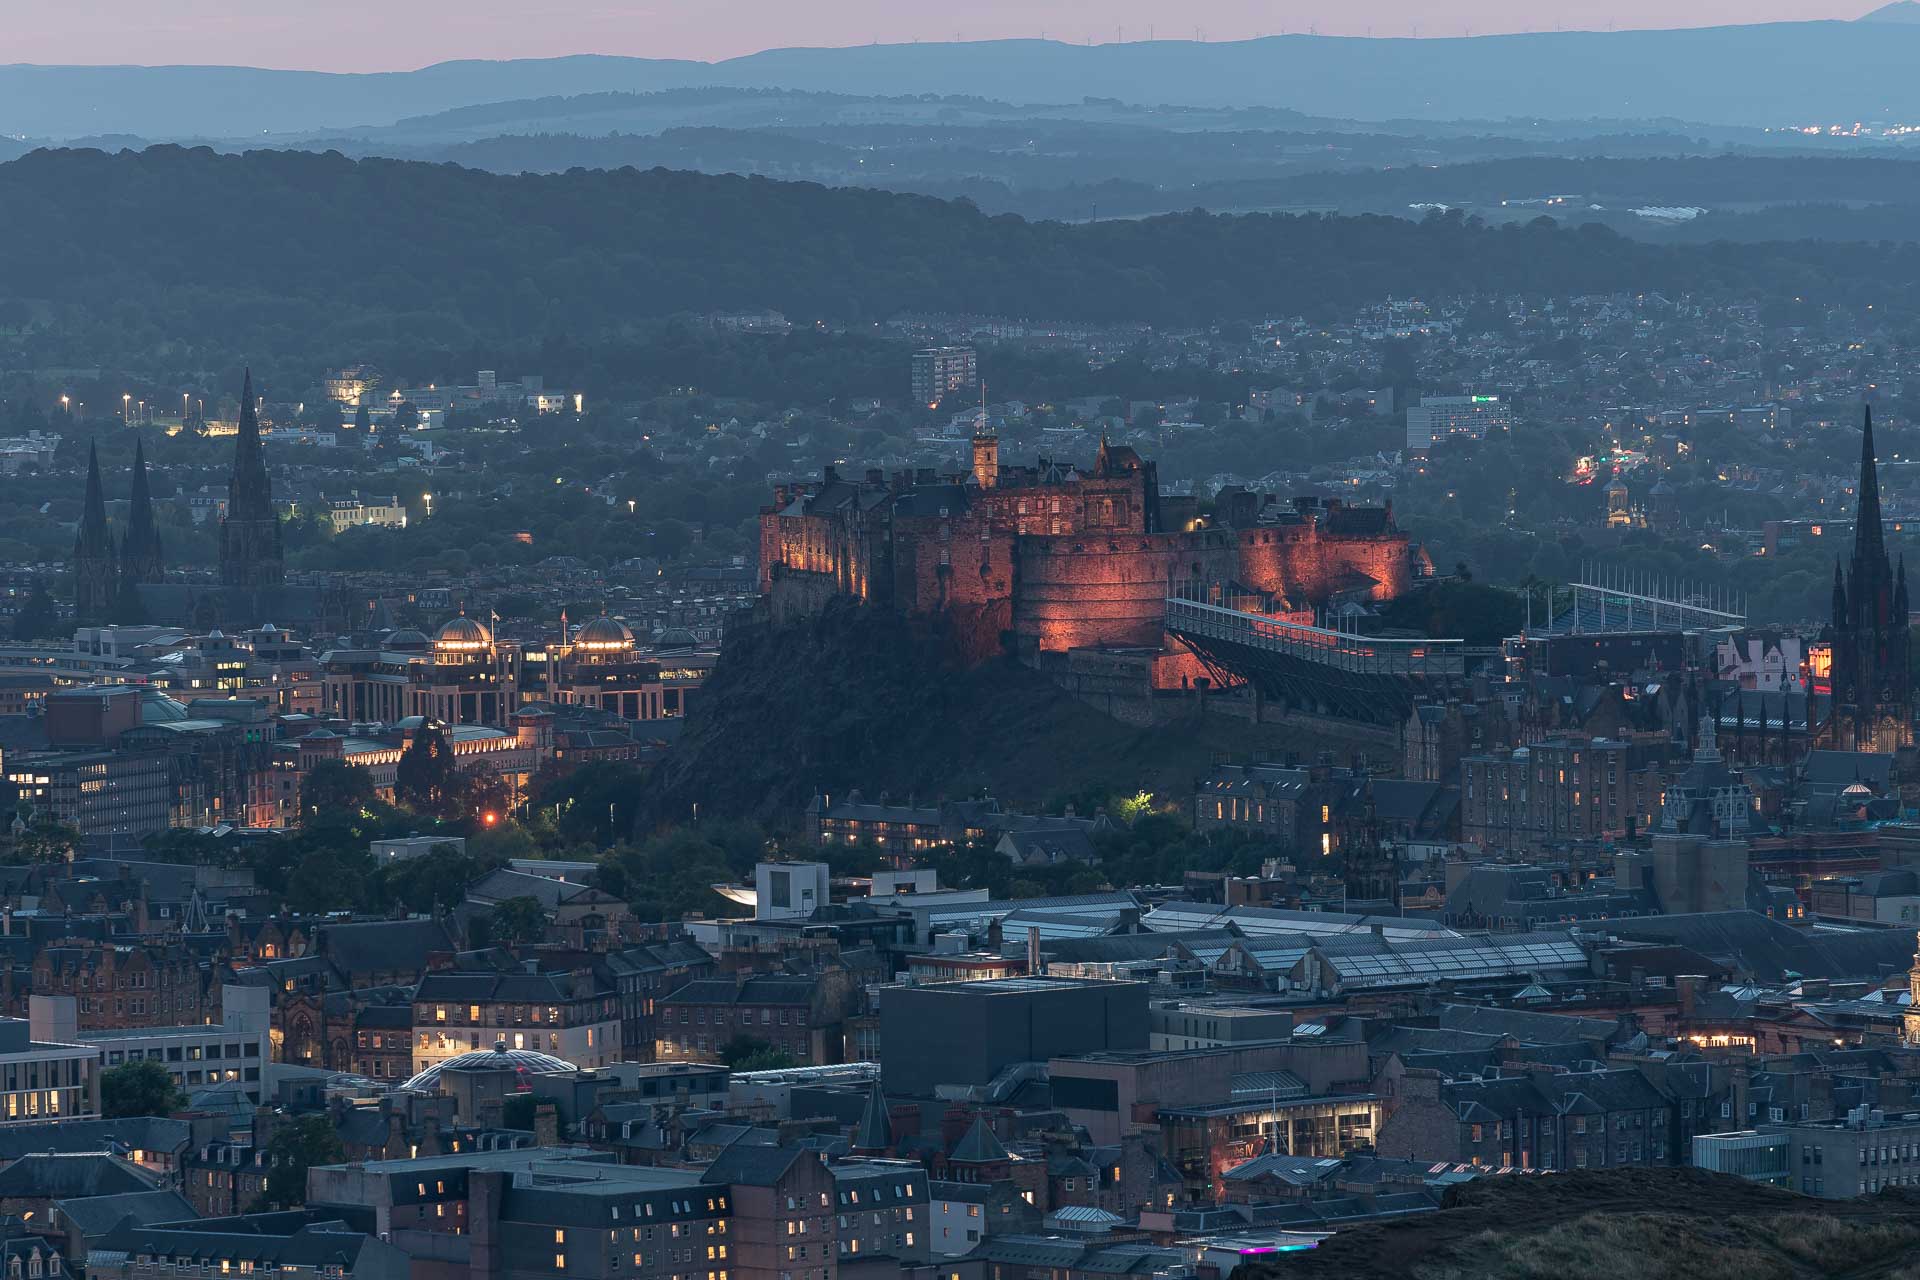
<point>94,573</point>
<point>1869,542</point>
<point>250,554</point>
<point>140,552</point>
<point>249,493</point>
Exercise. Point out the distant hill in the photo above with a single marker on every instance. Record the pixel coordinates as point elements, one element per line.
<point>1762,74</point>
<point>1903,11</point>
<point>436,257</point>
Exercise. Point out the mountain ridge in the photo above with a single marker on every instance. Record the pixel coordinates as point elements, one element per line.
<point>1774,74</point>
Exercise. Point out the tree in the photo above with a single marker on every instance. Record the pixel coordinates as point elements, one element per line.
<point>294,1148</point>
<point>139,1089</point>
<point>425,780</point>
<point>518,920</point>
<point>38,618</point>
<point>438,878</point>
<point>335,788</point>
<point>750,1053</point>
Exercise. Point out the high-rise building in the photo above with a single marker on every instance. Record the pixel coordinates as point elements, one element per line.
<point>1439,419</point>
<point>1872,684</point>
<point>250,554</point>
<point>940,373</point>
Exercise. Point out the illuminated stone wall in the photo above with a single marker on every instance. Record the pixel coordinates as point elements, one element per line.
<point>1092,590</point>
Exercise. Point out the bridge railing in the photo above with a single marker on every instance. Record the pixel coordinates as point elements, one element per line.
<point>1345,650</point>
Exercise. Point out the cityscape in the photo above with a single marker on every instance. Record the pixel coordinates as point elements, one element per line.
<point>928,661</point>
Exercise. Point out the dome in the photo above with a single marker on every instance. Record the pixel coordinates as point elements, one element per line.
<point>462,635</point>
<point>523,1062</point>
<point>674,638</point>
<point>157,708</point>
<point>406,640</point>
<point>604,635</point>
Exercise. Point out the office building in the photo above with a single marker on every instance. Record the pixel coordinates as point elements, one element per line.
<point>964,1033</point>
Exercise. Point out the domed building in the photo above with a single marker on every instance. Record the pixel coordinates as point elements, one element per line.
<point>466,675</point>
<point>524,1063</point>
<point>602,638</point>
<point>462,635</point>
<point>462,676</point>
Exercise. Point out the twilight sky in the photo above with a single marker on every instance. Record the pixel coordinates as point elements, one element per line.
<point>391,35</point>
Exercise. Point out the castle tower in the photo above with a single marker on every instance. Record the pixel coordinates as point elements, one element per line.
<point>1912,1018</point>
<point>1872,690</point>
<point>140,559</point>
<point>250,554</point>
<point>986,458</point>
<point>95,575</point>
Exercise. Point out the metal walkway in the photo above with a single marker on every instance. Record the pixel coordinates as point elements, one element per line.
<point>1339,673</point>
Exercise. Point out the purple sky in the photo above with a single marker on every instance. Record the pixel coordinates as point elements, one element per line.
<point>387,35</point>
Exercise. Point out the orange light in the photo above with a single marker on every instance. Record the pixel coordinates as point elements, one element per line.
<point>489,818</point>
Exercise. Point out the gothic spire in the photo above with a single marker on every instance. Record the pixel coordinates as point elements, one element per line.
<point>250,551</point>
<point>249,493</point>
<point>1869,544</point>
<point>95,576</point>
<point>140,552</point>
<point>94,538</point>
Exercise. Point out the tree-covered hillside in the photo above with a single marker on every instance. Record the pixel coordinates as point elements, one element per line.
<point>277,252</point>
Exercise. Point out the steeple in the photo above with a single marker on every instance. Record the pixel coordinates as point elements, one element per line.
<point>140,558</point>
<point>95,576</point>
<point>250,554</point>
<point>1872,689</point>
<point>875,1134</point>
<point>1869,543</point>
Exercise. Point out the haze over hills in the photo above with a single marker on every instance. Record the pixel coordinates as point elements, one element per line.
<point>1765,74</point>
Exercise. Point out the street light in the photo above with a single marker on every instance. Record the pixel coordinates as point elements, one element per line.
<point>126,408</point>
<point>428,499</point>
<point>66,404</point>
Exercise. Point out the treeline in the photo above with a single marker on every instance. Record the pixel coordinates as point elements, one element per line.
<point>284,253</point>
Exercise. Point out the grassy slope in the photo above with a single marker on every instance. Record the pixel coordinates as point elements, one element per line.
<point>1637,1224</point>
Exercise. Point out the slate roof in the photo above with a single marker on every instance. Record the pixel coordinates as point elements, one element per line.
<point>978,1146</point>
<point>1750,944</point>
<point>72,1175</point>
<point>94,1216</point>
<point>383,946</point>
<point>144,1133</point>
<point>744,1164</point>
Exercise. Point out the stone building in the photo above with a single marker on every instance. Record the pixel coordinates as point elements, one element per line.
<point>1056,558</point>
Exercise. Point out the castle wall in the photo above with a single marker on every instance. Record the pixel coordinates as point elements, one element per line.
<point>1304,564</point>
<point>1079,592</point>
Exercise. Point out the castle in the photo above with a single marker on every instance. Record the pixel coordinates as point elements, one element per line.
<point>1051,558</point>
<point>125,581</point>
<point>1870,638</point>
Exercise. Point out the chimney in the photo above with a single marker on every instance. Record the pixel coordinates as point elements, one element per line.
<point>486,1188</point>
<point>546,1125</point>
<point>1688,987</point>
<point>1033,951</point>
